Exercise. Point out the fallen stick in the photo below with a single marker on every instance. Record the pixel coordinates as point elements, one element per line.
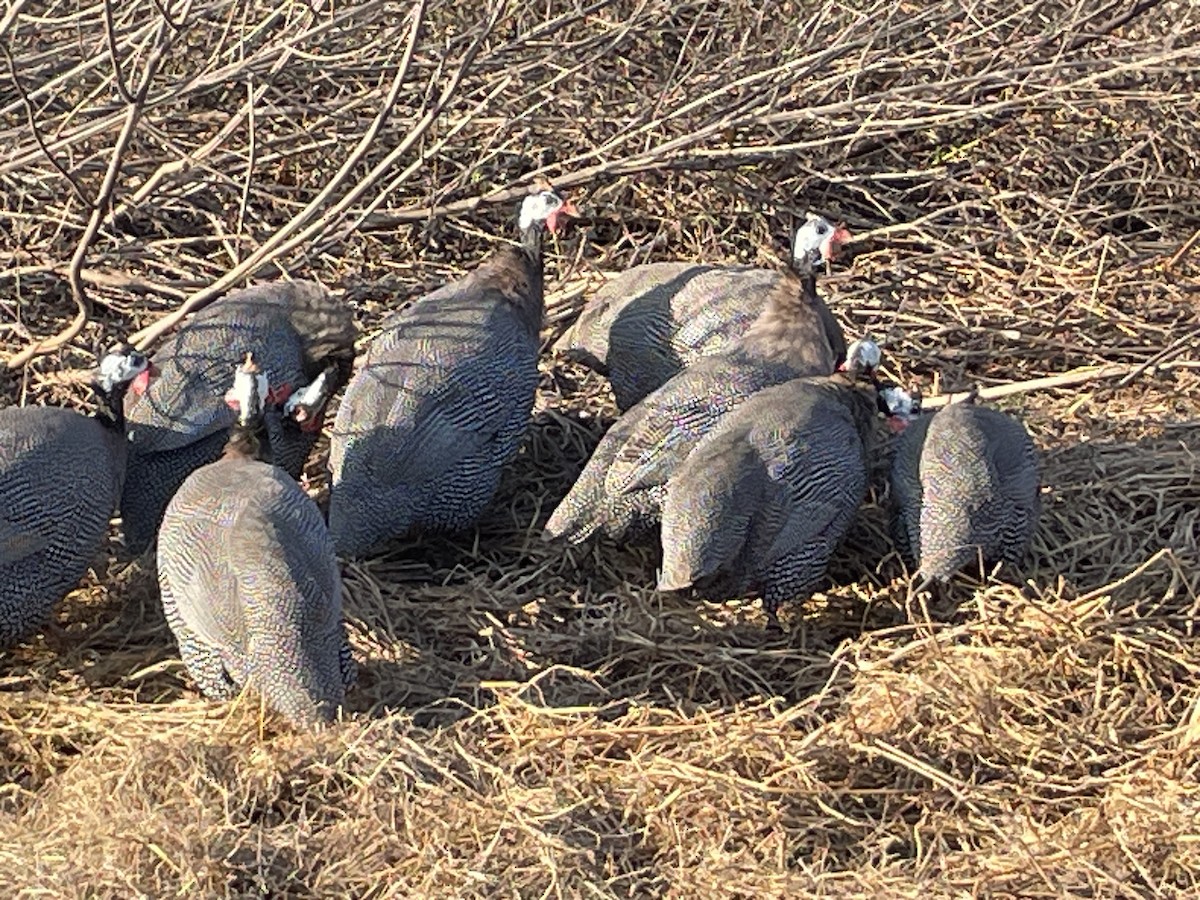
<point>1082,375</point>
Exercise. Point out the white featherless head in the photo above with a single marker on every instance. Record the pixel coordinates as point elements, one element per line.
<point>312,395</point>
<point>863,356</point>
<point>539,208</point>
<point>900,402</point>
<point>121,367</point>
<point>817,240</point>
<point>306,405</point>
<point>248,395</point>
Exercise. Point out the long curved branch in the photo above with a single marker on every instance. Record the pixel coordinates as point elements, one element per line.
<point>83,304</point>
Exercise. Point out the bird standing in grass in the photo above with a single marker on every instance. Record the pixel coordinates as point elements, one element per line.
<point>60,476</point>
<point>250,584</point>
<point>965,487</point>
<point>298,332</point>
<point>622,485</point>
<point>443,397</point>
<point>766,497</point>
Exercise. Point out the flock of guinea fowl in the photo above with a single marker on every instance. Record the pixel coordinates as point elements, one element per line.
<point>743,445</point>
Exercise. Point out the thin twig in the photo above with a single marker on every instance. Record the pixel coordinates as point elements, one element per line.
<point>110,36</point>
<point>1050,382</point>
<point>31,117</point>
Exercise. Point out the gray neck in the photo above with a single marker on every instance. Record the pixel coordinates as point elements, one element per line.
<point>111,412</point>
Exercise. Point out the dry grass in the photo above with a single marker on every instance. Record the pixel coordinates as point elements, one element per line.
<point>538,722</point>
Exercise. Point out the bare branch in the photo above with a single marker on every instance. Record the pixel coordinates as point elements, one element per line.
<point>111,37</point>
<point>100,208</point>
<point>1074,378</point>
<point>36,132</point>
<point>276,244</point>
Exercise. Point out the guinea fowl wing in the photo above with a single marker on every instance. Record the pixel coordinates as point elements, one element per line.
<point>206,515</point>
<point>18,542</point>
<point>435,425</point>
<point>437,397</point>
<point>1012,455</point>
<point>579,513</point>
<point>768,479</point>
<point>674,418</point>
<point>59,480</point>
<point>821,487</point>
<point>588,340</point>
<point>291,567</point>
<point>718,306</point>
<point>709,511</point>
<point>654,450</point>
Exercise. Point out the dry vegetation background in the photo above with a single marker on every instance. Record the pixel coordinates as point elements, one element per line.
<point>537,722</point>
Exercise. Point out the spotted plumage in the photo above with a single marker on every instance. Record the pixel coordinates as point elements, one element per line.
<point>965,485</point>
<point>296,331</point>
<point>442,398</point>
<point>650,322</point>
<point>249,580</point>
<point>60,477</point>
<point>766,497</point>
<point>623,484</point>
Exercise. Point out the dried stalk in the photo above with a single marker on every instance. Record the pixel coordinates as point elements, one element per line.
<point>1023,208</point>
<point>1067,379</point>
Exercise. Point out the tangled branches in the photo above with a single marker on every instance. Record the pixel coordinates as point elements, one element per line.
<point>243,140</point>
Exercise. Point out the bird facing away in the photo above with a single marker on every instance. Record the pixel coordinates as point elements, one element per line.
<point>60,478</point>
<point>443,397</point>
<point>250,584</point>
<point>766,497</point>
<point>297,332</point>
<point>964,486</point>
<point>650,322</point>
<point>622,485</point>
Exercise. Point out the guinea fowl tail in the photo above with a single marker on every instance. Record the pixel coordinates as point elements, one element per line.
<point>570,525</point>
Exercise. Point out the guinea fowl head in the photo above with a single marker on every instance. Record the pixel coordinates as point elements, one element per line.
<point>543,208</point>
<point>249,394</point>
<point>817,241</point>
<point>862,358</point>
<point>306,407</point>
<point>898,405</point>
<point>121,369</point>
<point>121,366</point>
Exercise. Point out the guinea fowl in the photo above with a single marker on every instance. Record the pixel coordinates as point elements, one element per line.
<point>965,486</point>
<point>650,322</point>
<point>622,485</point>
<point>249,580</point>
<point>60,477</point>
<point>443,397</point>
<point>767,496</point>
<point>297,331</point>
